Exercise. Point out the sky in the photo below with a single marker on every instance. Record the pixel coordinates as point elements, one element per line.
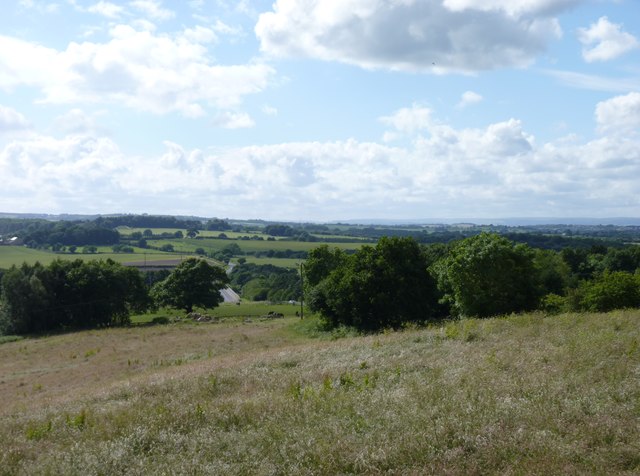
<point>321,110</point>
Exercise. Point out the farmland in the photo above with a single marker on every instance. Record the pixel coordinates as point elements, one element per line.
<point>207,241</point>
<point>16,255</point>
<point>522,394</point>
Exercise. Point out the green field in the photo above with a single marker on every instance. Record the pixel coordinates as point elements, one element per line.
<point>517,395</point>
<point>126,231</point>
<point>282,262</point>
<point>246,309</point>
<point>189,245</point>
<point>16,255</point>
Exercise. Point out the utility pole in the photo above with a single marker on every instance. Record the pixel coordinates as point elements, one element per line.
<point>301,292</point>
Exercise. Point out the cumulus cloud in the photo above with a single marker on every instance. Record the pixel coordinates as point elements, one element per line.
<point>426,36</point>
<point>11,120</point>
<point>152,9</point>
<point>495,170</point>
<point>409,120</point>
<point>159,73</point>
<point>74,172</point>
<point>76,121</point>
<point>269,110</point>
<point>468,98</point>
<point>604,41</point>
<point>620,114</point>
<point>45,7</point>
<point>234,120</point>
<point>513,7</point>
<point>107,9</point>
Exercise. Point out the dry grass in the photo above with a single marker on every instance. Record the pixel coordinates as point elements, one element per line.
<point>520,395</point>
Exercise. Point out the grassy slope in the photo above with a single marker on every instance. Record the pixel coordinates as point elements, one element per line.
<point>518,395</point>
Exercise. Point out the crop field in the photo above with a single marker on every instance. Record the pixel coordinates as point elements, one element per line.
<point>126,231</point>
<point>518,395</point>
<point>189,245</point>
<point>16,255</point>
<point>282,262</point>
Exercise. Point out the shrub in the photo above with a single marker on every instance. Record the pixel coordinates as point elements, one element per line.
<point>609,291</point>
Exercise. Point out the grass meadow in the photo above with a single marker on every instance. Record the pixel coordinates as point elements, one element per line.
<point>16,255</point>
<point>516,395</point>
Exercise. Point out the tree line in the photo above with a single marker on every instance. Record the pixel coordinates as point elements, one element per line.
<point>399,281</point>
<point>69,295</point>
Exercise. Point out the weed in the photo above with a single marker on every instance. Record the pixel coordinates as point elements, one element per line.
<point>37,432</point>
<point>78,421</point>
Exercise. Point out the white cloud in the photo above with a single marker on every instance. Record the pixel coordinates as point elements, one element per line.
<point>269,110</point>
<point>75,122</point>
<point>512,7</point>
<point>468,98</point>
<point>604,41</point>
<point>71,173</point>
<point>405,35</point>
<point>143,70</point>
<point>107,9</point>
<point>44,7</point>
<point>620,114</point>
<point>596,83</point>
<point>409,120</point>
<point>496,170</point>
<point>153,9</point>
<point>11,120</point>
<point>234,120</point>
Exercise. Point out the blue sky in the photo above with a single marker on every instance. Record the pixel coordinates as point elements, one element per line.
<point>321,109</point>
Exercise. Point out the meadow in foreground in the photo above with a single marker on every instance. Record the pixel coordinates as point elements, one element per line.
<point>522,394</point>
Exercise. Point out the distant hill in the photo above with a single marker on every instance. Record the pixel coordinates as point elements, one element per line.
<point>514,221</point>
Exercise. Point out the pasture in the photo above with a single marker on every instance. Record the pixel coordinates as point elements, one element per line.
<point>16,255</point>
<point>517,395</point>
<point>190,244</point>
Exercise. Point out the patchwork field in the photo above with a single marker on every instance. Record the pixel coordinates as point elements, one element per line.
<point>16,255</point>
<point>518,395</point>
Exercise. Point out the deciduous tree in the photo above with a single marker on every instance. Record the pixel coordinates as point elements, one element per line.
<point>194,282</point>
<point>488,275</point>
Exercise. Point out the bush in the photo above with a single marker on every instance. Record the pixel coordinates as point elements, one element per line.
<point>609,291</point>
<point>375,288</point>
<point>488,275</point>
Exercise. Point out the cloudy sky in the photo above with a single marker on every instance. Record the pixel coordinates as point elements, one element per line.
<point>321,109</point>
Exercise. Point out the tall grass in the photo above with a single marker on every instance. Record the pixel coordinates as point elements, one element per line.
<point>517,395</point>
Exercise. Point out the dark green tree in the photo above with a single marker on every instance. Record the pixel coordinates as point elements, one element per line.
<point>194,282</point>
<point>71,295</point>
<point>377,287</point>
<point>488,275</point>
<point>321,262</point>
<point>608,291</point>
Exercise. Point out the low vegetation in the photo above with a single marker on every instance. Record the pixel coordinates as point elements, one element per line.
<point>521,394</point>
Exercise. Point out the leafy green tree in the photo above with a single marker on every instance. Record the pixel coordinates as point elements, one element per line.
<point>321,262</point>
<point>377,287</point>
<point>192,233</point>
<point>147,233</point>
<point>554,274</point>
<point>488,275</point>
<point>71,295</point>
<point>609,291</point>
<point>194,282</point>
